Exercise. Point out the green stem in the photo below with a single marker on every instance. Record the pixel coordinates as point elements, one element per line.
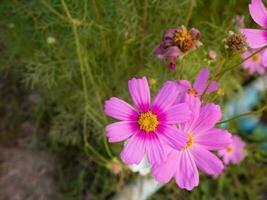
<point>244,114</point>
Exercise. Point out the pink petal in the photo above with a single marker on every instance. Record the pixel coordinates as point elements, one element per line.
<point>134,150</point>
<point>195,33</point>
<point>209,115</point>
<point>165,97</point>
<point>187,175</point>
<point>258,12</point>
<point>183,86</point>
<point>214,139</point>
<point>201,80</point>
<point>172,53</point>
<point>172,136</point>
<point>213,87</point>
<point>194,104</point>
<point>255,38</point>
<point>140,93</point>
<point>119,131</point>
<point>206,161</point>
<point>176,114</point>
<point>165,171</point>
<point>159,49</point>
<point>120,110</point>
<point>156,151</point>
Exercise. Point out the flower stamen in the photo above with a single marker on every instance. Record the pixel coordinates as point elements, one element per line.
<point>256,58</point>
<point>148,122</point>
<point>229,149</point>
<point>183,40</point>
<point>190,141</point>
<point>192,91</point>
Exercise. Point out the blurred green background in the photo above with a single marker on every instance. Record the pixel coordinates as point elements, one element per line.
<point>69,56</point>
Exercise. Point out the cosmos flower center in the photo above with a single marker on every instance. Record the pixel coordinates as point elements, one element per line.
<point>192,91</point>
<point>256,58</point>
<point>229,149</point>
<point>190,141</point>
<point>148,122</point>
<point>183,40</point>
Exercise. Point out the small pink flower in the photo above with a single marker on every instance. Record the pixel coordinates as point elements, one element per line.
<point>257,63</point>
<point>234,153</point>
<point>212,55</point>
<point>203,137</point>
<point>199,86</point>
<point>175,43</point>
<point>147,129</point>
<point>257,38</point>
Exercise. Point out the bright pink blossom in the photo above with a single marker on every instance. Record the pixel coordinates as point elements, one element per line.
<point>147,128</point>
<point>175,43</point>
<point>257,63</point>
<point>257,38</point>
<point>199,86</point>
<point>234,153</point>
<point>203,137</point>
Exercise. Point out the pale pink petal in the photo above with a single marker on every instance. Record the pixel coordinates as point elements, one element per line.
<point>165,97</point>
<point>201,80</point>
<point>120,110</point>
<point>178,113</point>
<point>155,149</point>
<point>133,150</point>
<point>119,131</point>
<point>260,69</point>
<point>258,12</point>
<point>255,38</point>
<point>206,161</point>
<point>187,174</point>
<point>209,115</point>
<point>214,139</point>
<point>264,58</point>
<point>140,93</point>
<point>172,136</point>
<point>212,87</point>
<point>165,171</point>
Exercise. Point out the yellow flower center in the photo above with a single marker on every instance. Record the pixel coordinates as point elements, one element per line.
<point>183,40</point>
<point>229,149</point>
<point>256,58</point>
<point>190,141</point>
<point>148,122</point>
<point>192,91</point>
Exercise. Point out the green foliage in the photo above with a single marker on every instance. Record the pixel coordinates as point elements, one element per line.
<point>98,46</point>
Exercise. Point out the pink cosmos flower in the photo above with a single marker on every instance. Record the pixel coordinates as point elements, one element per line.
<point>256,64</point>
<point>234,153</point>
<point>257,38</point>
<point>147,128</point>
<point>175,43</point>
<point>199,86</point>
<point>203,138</point>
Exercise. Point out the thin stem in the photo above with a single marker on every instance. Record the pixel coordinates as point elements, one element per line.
<point>237,65</point>
<point>143,29</point>
<point>190,12</point>
<point>244,114</point>
<point>49,7</point>
<point>82,71</point>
